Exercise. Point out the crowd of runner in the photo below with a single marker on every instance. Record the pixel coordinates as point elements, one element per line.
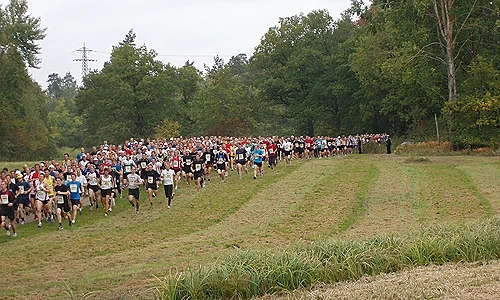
<point>54,190</point>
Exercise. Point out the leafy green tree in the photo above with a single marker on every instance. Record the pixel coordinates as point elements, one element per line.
<point>23,134</point>
<point>302,69</point>
<point>128,97</point>
<point>20,32</point>
<point>188,82</point>
<point>224,105</point>
<point>63,120</point>
<point>167,129</point>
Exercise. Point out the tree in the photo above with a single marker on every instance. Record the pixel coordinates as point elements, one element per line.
<point>302,69</point>
<point>129,39</point>
<point>224,105</point>
<point>20,32</point>
<point>128,97</point>
<point>23,134</point>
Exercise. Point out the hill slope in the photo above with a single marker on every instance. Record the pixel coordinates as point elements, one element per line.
<point>346,197</point>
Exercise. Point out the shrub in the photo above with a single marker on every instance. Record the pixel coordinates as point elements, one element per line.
<point>424,148</point>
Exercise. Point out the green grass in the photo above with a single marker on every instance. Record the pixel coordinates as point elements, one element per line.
<point>360,201</point>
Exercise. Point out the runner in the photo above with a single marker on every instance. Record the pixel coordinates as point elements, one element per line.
<point>14,189</point>
<point>106,186</point>
<point>197,169</point>
<point>127,164</point>
<point>241,159</point>
<point>75,188</point>
<point>152,180</point>
<point>42,202</point>
<point>93,187</point>
<point>272,150</point>
<point>8,201</point>
<point>208,157</point>
<point>187,160</point>
<point>167,176</point>
<point>83,184</point>
<point>116,172</point>
<point>221,159</point>
<point>258,153</point>
<point>287,151</point>
<point>23,200</point>
<point>176,166</point>
<point>62,194</point>
<point>133,183</point>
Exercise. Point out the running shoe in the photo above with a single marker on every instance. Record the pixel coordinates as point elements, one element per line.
<point>7,232</point>
<point>39,224</point>
<point>60,227</point>
<point>15,234</point>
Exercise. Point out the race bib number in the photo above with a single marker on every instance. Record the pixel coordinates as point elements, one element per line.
<point>241,156</point>
<point>40,194</point>
<point>169,176</point>
<point>143,165</point>
<point>271,151</point>
<point>93,181</point>
<point>128,169</point>
<point>207,157</point>
<point>60,199</point>
<point>176,164</point>
<point>150,180</point>
<point>21,188</point>
<point>5,199</point>
<point>106,185</point>
<point>220,161</point>
<point>188,161</point>
<point>73,188</point>
<point>197,167</point>
<point>68,177</point>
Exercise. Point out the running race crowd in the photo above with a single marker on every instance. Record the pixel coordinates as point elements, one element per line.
<point>55,190</point>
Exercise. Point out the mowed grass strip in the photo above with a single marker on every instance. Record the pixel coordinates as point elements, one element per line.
<point>444,192</point>
<point>389,201</point>
<point>335,201</point>
<point>484,173</point>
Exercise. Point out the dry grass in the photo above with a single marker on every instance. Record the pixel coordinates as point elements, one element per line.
<point>453,281</point>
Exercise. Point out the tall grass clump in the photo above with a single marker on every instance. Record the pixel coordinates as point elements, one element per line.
<point>246,274</point>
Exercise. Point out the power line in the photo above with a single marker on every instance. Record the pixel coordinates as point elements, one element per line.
<point>85,60</point>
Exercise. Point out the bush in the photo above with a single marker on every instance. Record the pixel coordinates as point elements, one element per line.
<point>422,148</point>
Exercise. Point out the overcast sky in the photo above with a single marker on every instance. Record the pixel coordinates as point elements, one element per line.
<point>177,30</point>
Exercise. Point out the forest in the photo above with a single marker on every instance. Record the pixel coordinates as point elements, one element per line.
<point>394,66</point>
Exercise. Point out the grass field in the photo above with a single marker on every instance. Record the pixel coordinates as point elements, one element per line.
<point>121,256</point>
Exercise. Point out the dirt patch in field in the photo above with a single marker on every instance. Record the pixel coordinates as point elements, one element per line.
<point>453,281</point>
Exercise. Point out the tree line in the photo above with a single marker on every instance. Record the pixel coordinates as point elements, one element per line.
<point>387,66</point>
